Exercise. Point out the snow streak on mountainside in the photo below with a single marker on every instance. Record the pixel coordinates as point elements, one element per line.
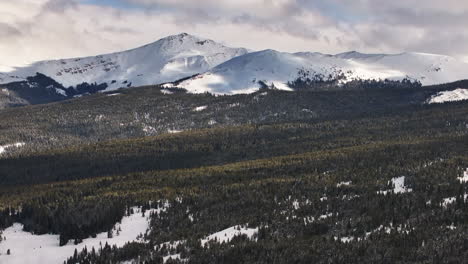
<point>242,74</point>
<point>166,60</point>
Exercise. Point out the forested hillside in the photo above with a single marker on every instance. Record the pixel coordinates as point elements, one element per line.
<point>362,176</point>
<point>152,110</point>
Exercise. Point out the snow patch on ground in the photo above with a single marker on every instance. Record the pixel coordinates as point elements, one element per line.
<point>450,200</point>
<point>200,108</point>
<point>28,248</point>
<point>325,216</point>
<point>449,96</point>
<point>464,178</point>
<point>296,205</point>
<point>451,227</point>
<point>4,148</point>
<point>212,122</point>
<point>398,186</point>
<point>228,234</point>
<point>173,257</point>
<point>223,236</point>
<point>343,184</point>
<point>174,131</point>
<point>345,239</point>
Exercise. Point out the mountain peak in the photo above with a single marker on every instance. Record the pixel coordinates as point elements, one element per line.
<point>181,37</point>
<point>185,41</point>
<point>168,59</point>
<point>357,55</point>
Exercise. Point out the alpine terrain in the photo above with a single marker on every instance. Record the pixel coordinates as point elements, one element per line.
<point>188,151</point>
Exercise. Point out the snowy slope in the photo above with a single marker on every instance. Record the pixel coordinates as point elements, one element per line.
<point>225,70</point>
<point>29,248</point>
<point>226,235</point>
<point>241,74</point>
<point>165,60</point>
<point>450,96</point>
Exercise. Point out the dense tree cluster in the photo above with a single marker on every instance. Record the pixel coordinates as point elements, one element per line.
<point>149,111</point>
<point>318,188</point>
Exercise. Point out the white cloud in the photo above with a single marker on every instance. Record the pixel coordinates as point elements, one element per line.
<point>33,30</point>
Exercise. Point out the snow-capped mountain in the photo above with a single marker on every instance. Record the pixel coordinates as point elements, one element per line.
<point>165,60</point>
<point>242,74</point>
<point>222,70</point>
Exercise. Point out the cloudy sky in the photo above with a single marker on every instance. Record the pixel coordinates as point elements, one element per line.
<point>33,30</point>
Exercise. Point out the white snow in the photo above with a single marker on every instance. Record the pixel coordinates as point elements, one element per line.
<point>4,148</point>
<point>296,205</point>
<point>343,184</point>
<point>228,234</point>
<point>464,178</point>
<point>174,131</point>
<point>345,239</point>
<point>172,245</point>
<point>448,201</point>
<point>166,60</point>
<point>212,122</point>
<point>200,108</point>
<point>223,236</point>
<point>325,216</point>
<point>451,227</point>
<point>275,68</point>
<point>28,248</point>
<point>224,70</point>
<point>173,257</point>
<point>449,96</point>
<point>113,94</point>
<point>398,186</point>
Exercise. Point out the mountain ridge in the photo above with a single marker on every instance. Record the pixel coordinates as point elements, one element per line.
<point>278,69</point>
<point>203,65</point>
<point>167,59</point>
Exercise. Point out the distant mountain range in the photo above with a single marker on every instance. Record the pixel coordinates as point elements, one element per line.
<point>201,65</point>
<point>243,73</point>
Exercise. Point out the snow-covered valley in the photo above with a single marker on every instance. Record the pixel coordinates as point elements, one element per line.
<point>27,248</point>
<point>20,247</point>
